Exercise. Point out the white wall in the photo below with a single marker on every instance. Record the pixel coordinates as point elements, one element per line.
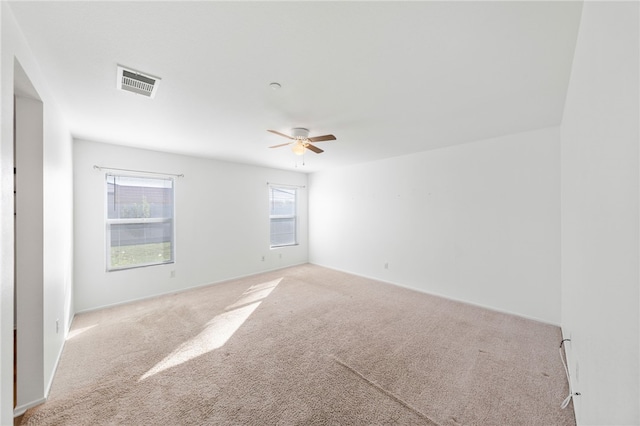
<point>57,226</point>
<point>477,222</point>
<point>221,224</point>
<point>58,237</point>
<point>600,229</point>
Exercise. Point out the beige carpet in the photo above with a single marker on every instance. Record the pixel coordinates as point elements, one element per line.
<point>306,345</point>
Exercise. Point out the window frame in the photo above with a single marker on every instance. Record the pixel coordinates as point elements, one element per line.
<point>124,221</point>
<point>294,216</point>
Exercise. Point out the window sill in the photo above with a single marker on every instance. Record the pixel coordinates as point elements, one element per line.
<point>146,265</point>
<point>284,245</point>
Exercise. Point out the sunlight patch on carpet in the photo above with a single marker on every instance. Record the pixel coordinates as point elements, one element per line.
<point>218,330</point>
<point>79,331</point>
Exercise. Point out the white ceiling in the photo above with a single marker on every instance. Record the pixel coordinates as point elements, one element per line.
<point>386,78</point>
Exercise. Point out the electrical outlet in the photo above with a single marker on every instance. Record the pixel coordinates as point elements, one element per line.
<point>386,265</point>
<point>263,258</point>
<point>172,274</point>
<point>57,326</point>
<point>279,255</point>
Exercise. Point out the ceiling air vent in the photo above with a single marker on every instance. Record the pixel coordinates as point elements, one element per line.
<point>137,82</point>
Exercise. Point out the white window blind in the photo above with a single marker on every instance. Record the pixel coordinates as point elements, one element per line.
<point>282,215</point>
<point>139,225</point>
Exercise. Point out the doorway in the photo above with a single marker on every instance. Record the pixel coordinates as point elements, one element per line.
<point>28,243</point>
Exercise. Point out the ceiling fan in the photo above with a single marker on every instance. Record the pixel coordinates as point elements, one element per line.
<point>301,140</point>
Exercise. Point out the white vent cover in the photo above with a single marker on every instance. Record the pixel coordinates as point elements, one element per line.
<point>137,82</point>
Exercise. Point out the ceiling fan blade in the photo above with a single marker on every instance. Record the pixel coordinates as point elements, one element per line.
<point>281,134</point>
<point>282,144</point>
<point>322,138</point>
<point>313,148</point>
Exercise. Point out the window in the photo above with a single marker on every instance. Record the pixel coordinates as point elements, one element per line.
<point>139,221</point>
<point>282,214</point>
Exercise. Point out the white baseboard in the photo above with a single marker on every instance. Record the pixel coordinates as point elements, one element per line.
<point>20,409</point>
<point>419,290</point>
<point>193,287</point>
<point>47,388</point>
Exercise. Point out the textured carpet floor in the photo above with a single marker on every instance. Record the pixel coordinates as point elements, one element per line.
<point>306,345</point>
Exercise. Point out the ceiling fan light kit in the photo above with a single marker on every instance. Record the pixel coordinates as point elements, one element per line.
<point>300,140</point>
<point>298,148</point>
<point>301,135</point>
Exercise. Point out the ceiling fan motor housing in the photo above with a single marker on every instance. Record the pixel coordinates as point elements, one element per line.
<point>299,133</point>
